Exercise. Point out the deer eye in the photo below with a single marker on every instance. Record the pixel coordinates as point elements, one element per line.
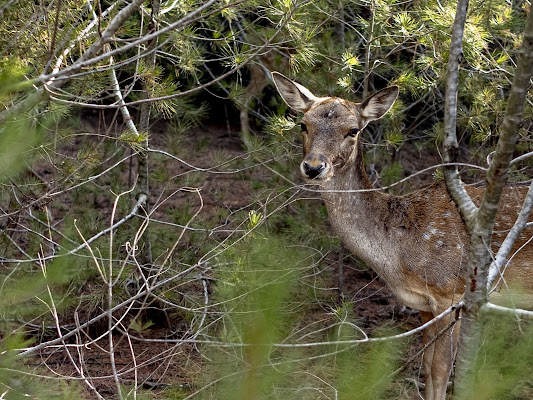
<point>352,132</point>
<point>304,128</point>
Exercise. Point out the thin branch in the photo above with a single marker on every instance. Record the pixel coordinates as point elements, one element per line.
<point>88,56</point>
<point>126,116</point>
<point>223,344</point>
<point>368,49</point>
<point>517,312</point>
<point>522,158</point>
<point>507,245</point>
<point>423,171</point>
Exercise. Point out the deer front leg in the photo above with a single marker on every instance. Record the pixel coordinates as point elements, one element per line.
<point>427,358</point>
<point>438,358</point>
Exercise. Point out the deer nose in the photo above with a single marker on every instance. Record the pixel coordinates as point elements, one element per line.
<point>313,169</point>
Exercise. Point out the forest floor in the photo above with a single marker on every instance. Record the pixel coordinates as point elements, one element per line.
<point>153,360</point>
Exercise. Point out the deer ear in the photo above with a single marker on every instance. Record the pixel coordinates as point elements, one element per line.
<point>377,105</point>
<point>296,96</point>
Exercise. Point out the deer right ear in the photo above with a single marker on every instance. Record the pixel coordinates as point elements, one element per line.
<point>377,105</point>
<point>296,96</point>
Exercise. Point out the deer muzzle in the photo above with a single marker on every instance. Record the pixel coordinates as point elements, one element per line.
<point>314,167</point>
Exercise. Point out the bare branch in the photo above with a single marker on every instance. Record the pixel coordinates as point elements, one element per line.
<point>517,312</point>
<point>453,181</point>
<point>126,116</point>
<point>522,158</point>
<point>519,225</point>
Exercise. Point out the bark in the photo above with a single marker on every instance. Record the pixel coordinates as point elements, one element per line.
<point>483,220</point>
<point>144,126</point>
<point>366,82</point>
<point>340,28</point>
<point>451,148</point>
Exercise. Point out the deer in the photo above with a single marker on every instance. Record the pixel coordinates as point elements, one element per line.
<point>417,243</point>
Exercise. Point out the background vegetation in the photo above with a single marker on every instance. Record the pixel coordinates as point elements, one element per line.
<point>155,240</point>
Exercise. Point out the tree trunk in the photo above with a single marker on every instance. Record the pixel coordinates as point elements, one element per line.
<point>483,220</point>
<point>144,126</point>
<point>368,69</point>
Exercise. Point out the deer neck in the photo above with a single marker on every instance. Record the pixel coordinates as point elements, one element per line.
<point>350,189</point>
<point>360,218</point>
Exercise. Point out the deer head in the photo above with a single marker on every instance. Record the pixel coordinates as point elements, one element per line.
<point>331,126</point>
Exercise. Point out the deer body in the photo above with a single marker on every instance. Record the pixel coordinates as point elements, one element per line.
<point>395,235</point>
<point>416,243</point>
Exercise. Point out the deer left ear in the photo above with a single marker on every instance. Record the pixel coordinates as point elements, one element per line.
<point>377,105</point>
<point>297,96</point>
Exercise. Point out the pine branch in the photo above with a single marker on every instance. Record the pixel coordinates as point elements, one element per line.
<point>40,94</point>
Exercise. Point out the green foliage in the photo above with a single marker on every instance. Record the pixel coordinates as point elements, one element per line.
<point>17,138</point>
<point>256,290</point>
<point>11,77</point>
<point>391,173</point>
<point>30,294</point>
<point>18,135</point>
<point>505,361</point>
<point>279,124</point>
<point>133,139</point>
<point>369,378</point>
<point>394,139</point>
<point>20,381</point>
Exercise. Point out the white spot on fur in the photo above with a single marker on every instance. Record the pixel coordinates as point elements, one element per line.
<point>432,229</point>
<point>447,214</point>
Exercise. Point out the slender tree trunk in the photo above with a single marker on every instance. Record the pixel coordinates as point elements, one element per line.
<point>451,147</point>
<point>366,82</point>
<point>144,126</point>
<point>340,28</point>
<point>483,220</point>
